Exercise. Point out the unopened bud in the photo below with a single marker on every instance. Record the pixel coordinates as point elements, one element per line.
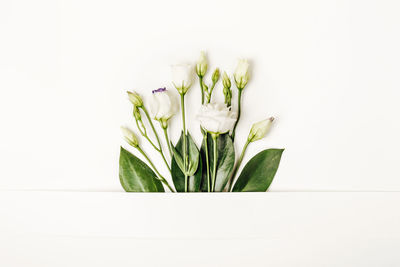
<point>260,129</point>
<point>215,76</point>
<point>135,99</point>
<point>241,74</point>
<point>136,114</point>
<point>228,96</point>
<point>226,82</point>
<point>201,66</point>
<point>130,136</point>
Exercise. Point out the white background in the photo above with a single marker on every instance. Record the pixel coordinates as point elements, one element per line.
<point>327,70</point>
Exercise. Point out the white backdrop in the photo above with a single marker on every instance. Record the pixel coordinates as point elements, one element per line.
<point>328,70</point>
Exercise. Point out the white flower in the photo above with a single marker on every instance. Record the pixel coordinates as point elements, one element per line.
<point>163,105</point>
<point>182,77</point>
<point>130,136</point>
<point>201,66</point>
<point>241,74</point>
<point>216,118</point>
<point>260,129</point>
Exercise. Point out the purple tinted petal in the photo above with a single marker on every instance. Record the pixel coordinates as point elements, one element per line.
<point>159,90</point>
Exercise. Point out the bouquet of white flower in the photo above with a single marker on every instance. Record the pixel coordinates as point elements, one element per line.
<point>213,167</point>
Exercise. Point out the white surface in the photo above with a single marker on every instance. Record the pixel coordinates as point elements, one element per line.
<point>275,229</point>
<point>328,70</point>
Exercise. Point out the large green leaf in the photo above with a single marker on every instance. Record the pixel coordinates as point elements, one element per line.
<point>195,166</point>
<point>225,161</point>
<point>259,172</point>
<point>135,175</point>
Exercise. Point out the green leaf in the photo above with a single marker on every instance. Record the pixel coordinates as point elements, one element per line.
<point>194,156</point>
<point>225,161</point>
<point>177,157</point>
<point>195,166</point>
<point>259,172</point>
<point>135,175</point>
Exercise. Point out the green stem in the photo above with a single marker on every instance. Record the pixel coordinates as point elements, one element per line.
<point>144,134</point>
<point>186,183</point>
<point>207,162</point>
<point>238,117</point>
<point>152,125</point>
<point>235,169</point>
<point>185,157</point>
<point>202,89</point>
<point>160,177</point>
<point>211,90</point>
<point>167,140</point>
<point>214,137</point>
<point>158,139</point>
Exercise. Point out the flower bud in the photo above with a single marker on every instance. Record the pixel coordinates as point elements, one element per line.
<point>130,136</point>
<point>201,66</point>
<point>226,82</point>
<point>135,99</point>
<point>260,129</point>
<point>241,74</point>
<point>228,96</point>
<point>182,77</point>
<point>215,76</point>
<point>136,114</point>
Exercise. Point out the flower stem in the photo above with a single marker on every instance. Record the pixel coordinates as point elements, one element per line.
<point>214,137</point>
<point>238,117</point>
<point>207,162</point>
<point>210,93</point>
<point>235,169</point>
<point>168,142</point>
<point>202,89</point>
<point>185,157</point>
<point>158,139</point>
<point>160,177</point>
<point>144,133</point>
<point>186,183</point>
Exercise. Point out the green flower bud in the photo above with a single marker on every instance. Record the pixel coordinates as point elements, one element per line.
<point>135,99</point>
<point>215,76</point>
<point>201,66</point>
<point>228,96</point>
<point>241,74</point>
<point>226,82</point>
<point>136,114</point>
<point>130,137</point>
<point>260,129</point>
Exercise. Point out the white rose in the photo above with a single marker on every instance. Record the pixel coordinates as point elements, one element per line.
<point>260,129</point>
<point>163,105</point>
<point>241,74</point>
<point>182,75</point>
<point>216,118</point>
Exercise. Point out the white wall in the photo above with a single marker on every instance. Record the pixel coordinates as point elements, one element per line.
<point>328,70</point>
